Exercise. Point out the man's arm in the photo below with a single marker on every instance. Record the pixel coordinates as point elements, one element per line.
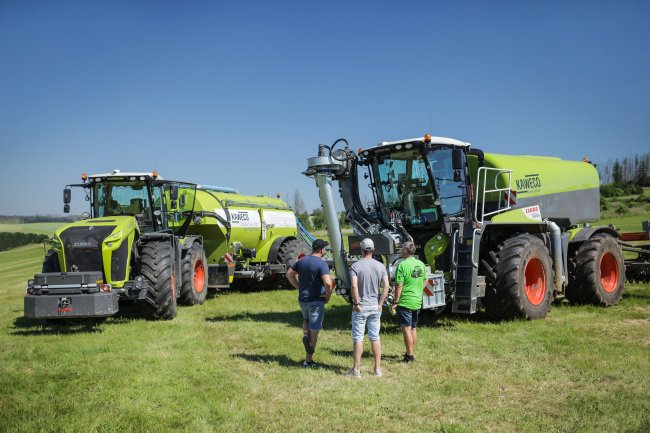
<point>398,294</point>
<point>329,286</point>
<point>354,291</point>
<point>384,293</point>
<point>292,277</point>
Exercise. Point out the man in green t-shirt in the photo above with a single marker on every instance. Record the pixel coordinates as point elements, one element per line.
<point>410,279</point>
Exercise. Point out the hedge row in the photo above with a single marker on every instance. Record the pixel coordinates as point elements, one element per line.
<point>10,240</point>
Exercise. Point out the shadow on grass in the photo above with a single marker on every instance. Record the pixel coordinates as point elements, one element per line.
<point>30,327</point>
<point>339,318</point>
<point>285,361</point>
<point>644,296</point>
<point>347,354</point>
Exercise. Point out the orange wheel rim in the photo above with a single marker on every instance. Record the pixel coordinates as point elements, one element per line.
<point>535,281</point>
<point>609,272</point>
<point>199,276</point>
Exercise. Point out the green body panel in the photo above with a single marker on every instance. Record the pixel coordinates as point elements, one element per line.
<point>256,222</point>
<point>517,216</point>
<point>565,191</point>
<point>125,230</point>
<point>434,247</point>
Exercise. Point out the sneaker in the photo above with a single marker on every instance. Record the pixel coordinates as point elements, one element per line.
<point>307,343</point>
<point>408,358</point>
<point>310,364</point>
<point>378,372</point>
<point>353,373</point>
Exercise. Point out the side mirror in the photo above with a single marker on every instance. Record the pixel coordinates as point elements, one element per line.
<point>457,159</point>
<point>67,195</point>
<point>173,192</point>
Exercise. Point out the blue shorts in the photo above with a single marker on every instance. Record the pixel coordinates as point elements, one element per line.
<point>407,317</point>
<point>369,315</point>
<point>313,312</point>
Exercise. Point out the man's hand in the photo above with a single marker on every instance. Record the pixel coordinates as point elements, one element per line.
<point>357,308</point>
<point>326,296</point>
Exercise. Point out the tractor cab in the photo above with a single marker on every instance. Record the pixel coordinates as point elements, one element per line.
<point>419,183</point>
<point>156,204</point>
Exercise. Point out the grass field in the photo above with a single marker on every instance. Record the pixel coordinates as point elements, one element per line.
<point>233,364</point>
<point>40,228</point>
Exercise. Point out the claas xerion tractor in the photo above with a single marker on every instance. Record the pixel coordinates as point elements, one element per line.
<point>159,243</point>
<point>510,233</point>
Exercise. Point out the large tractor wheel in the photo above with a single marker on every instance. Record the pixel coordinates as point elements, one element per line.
<point>51,262</point>
<point>597,272</point>
<point>195,276</point>
<point>290,252</point>
<point>158,268</point>
<point>521,283</point>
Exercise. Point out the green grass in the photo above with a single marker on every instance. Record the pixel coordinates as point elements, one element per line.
<point>232,364</point>
<point>40,228</point>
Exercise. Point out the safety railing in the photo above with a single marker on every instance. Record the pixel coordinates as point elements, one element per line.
<point>504,195</point>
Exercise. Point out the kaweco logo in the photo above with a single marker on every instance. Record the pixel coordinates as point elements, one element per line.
<point>529,182</point>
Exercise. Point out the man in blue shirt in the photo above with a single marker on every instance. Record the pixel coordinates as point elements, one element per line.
<point>311,276</point>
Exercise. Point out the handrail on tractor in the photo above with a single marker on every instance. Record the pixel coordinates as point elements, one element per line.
<point>503,201</point>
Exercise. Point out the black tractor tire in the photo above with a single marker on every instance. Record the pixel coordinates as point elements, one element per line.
<point>157,266</point>
<point>51,262</point>
<point>597,272</point>
<point>289,253</point>
<point>520,279</point>
<point>194,271</point>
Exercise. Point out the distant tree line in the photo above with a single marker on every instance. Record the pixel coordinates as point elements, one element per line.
<point>12,240</point>
<point>629,170</point>
<point>25,219</point>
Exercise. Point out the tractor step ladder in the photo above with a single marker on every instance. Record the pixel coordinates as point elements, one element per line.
<point>469,286</point>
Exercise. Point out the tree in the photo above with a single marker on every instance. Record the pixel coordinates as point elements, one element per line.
<point>343,222</point>
<point>617,172</point>
<point>641,177</point>
<point>298,203</point>
<point>318,219</point>
<point>305,221</point>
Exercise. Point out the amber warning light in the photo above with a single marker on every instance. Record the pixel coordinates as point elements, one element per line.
<point>84,177</point>
<point>427,138</point>
<point>154,174</point>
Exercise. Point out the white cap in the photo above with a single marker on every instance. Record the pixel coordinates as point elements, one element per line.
<point>367,244</point>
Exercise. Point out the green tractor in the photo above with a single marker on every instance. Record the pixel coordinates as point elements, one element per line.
<point>510,233</point>
<point>159,243</point>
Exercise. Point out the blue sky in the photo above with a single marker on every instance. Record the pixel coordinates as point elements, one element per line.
<point>241,93</point>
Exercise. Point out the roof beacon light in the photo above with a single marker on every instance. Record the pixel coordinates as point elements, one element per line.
<point>359,151</point>
<point>154,174</point>
<point>84,177</point>
<point>427,138</point>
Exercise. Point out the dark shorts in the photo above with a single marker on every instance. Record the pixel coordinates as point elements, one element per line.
<point>407,317</point>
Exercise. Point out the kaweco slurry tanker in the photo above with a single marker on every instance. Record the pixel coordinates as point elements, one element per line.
<point>159,242</point>
<point>508,232</point>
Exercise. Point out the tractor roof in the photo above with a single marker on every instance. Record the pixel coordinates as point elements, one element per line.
<point>434,140</point>
<point>125,174</point>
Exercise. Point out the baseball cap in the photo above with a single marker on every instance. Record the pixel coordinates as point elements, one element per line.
<point>367,244</point>
<point>319,244</point>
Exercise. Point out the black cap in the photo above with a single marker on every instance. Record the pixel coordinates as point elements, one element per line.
<point>319,244</point>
